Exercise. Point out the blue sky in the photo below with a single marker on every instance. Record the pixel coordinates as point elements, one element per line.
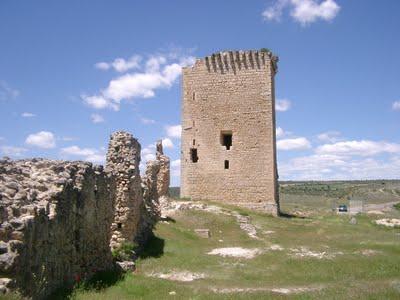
<point>72,72</point>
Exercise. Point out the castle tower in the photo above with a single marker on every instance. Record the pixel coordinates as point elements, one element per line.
<point>228,130</point>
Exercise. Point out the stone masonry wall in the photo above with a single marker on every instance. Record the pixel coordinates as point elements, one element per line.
<point>123,159</point>
<point>155,184</point>
<point>230,93</point>
<point>55,224</point>
<point>163,176</point>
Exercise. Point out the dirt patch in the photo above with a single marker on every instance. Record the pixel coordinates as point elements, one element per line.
<point>281,290</point>
<point>183,276</point>
<point>236,252</point>
<point>369,252</point>
<point>305,252</point>
<point>388,222</point>
<point>276,248</point>
<point>375,212</point>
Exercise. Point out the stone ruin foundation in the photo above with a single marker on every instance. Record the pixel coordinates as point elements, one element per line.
<point>60,219</point>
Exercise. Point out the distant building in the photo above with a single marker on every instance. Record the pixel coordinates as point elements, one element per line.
<point>228,130</point>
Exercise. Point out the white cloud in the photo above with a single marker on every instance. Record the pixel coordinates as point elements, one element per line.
<point>174,131</point>
<point>334,167</point>
<point>396,105</point>
<point>329,136</point>
<point>147,121</point>
<point>42,139</point>
<point>274,12</point>
<point>7,92</point>
<point>283,104</point>
<point>86,154</point>
<point>300,143</point>
<point>12,151</point>
<point>303,11</point>
<point>361,148</point>
<point>99,102</point>
<point>279,132</point>
<point>148,153</point>
<point>120,64</point>
<point>96,118</point>
<point>159,73</point>
<point>28,115</point>
<point>167,143</point>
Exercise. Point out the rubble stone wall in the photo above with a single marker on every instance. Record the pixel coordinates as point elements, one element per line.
<point>123,159</point>
<point>55,224</point>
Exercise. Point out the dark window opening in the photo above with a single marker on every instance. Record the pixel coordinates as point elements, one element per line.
<point>226,164</point>
<point>193,155</point>
<point>226,139</point>
<point>194,95</point>
<point>194,142</point>
<point>119,225</point>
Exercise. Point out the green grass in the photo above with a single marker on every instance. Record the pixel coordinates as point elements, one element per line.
<point>349,275</point>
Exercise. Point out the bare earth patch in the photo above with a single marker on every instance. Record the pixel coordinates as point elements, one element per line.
<point>276,248</point>
<point>369,252</point>
<point>183,276</point>
<point>236,252</point>
<point>375,212</point>
<point>388,222</point>
<point>305,252</point>
<point>281,290</point>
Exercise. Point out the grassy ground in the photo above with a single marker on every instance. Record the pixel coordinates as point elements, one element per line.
<point>348,274</point>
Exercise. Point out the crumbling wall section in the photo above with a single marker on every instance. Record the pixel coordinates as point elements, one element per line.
<point>123,159</point>
<point>163,176</point>
<point>155,184</point>
<point>55,224</point>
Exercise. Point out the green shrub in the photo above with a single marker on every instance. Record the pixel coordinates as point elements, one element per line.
<point>125,252</point>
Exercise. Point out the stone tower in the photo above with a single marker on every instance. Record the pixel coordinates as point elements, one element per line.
<point>228,130</point>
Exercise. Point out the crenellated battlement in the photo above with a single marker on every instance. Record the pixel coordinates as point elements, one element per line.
<point>233,61</point>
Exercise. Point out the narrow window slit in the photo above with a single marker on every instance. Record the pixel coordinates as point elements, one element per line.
<point>226,164</point>
<point>193,155</point>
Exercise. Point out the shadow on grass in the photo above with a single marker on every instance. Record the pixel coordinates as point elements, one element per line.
<point>290,216</point>
<point>153,248</point>
<point>97,282</point>
<point>168,219</point>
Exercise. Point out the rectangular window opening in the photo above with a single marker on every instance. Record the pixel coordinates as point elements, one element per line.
<point>226,139</point>
<point>193,155</point>
<point>226,164</point>
<point>194,142</point>
<point>119,225</point>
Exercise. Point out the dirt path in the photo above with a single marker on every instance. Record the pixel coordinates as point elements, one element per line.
<point>382,206</point>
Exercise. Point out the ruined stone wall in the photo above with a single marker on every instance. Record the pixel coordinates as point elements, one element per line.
<point>55,224</point>
<point>155,184</point>
<point>163,176</point>
<point>230,93</point>
<point>123,159</point>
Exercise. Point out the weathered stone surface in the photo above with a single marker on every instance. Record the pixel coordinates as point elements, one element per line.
<point>229,98</point>
<point>204,233</point>
<point>123,159</point>
<point>163,176</point>
<point>127,266</point>
<point>55,226</point>
<point>155,184</point>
